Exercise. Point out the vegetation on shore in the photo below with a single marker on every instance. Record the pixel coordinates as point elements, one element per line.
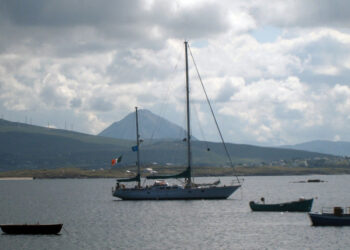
<point>203,171</point>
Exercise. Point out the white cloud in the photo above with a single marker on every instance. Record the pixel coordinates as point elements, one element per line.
<point>93,63</point>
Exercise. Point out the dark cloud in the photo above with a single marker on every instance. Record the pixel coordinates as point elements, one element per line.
<point>319,80</point>
<point>71,26</point>
<point>69,12</point>
<point>51,97</point>
<point>75,103</point>
<point>320,57</point>
<point>101,104</point>
<point>135,67</point>
<point>226,92</point>
<point>299,13</point>
<point>323,13</point>
<point>326,49</point>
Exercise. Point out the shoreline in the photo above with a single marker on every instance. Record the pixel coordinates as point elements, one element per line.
<point>16,178</point>
<point>76,173</point>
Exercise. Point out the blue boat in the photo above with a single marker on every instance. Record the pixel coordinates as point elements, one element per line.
<point>328,218</point>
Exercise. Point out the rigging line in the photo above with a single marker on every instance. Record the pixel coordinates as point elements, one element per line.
<point>200,127</point>
<point>212,112</point>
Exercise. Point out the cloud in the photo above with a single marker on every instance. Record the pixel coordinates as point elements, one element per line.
<point>68,27</point>
<point>276,72</point>
<point>75,103</point>
<point>285,111</point>
<point>298,13</point>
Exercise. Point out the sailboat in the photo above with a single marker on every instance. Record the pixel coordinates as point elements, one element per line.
<point>161,190</point>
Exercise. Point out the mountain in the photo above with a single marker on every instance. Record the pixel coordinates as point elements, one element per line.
<point>340,148</point>
<point>151,126</point>
<point>24,146</point>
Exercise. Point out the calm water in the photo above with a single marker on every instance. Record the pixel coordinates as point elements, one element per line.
<point>93,219</point>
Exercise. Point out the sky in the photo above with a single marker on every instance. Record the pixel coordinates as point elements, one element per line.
<point>276,72</point>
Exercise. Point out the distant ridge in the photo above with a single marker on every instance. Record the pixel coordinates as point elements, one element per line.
<point>24,146</point>
<point>340,148</point>
<point>151,127</point>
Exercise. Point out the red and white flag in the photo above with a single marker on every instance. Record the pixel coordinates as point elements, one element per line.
<point>116,160</point>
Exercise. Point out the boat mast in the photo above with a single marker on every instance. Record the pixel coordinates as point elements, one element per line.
<point>188,119</point>
<point>138,145</point>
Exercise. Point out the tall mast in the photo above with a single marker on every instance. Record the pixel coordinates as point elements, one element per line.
<point>138,146</point>
<point>188,118</point>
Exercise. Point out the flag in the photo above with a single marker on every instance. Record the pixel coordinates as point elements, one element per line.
<point>117,160</point>
<point>135,148</point>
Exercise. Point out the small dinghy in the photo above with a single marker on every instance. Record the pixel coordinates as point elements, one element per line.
<point>337,217</point>
<point>32,229</point>
<point>301,205</point>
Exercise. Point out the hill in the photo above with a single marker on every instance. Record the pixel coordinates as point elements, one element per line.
<point>151,126</point>
<point>340,148</point>
<point>25,146</point>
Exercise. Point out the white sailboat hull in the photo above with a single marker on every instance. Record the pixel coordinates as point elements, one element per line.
<point>175,193</point>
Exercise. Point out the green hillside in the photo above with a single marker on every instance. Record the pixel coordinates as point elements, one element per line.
<point>25,146</point>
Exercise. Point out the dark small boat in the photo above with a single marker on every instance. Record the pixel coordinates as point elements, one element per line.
<point>32,229</point>
<point>314,180</point>
<point>328,218</point>
<point>302,205</point>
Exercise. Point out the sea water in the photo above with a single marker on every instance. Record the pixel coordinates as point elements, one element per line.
<point>93,219</point>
